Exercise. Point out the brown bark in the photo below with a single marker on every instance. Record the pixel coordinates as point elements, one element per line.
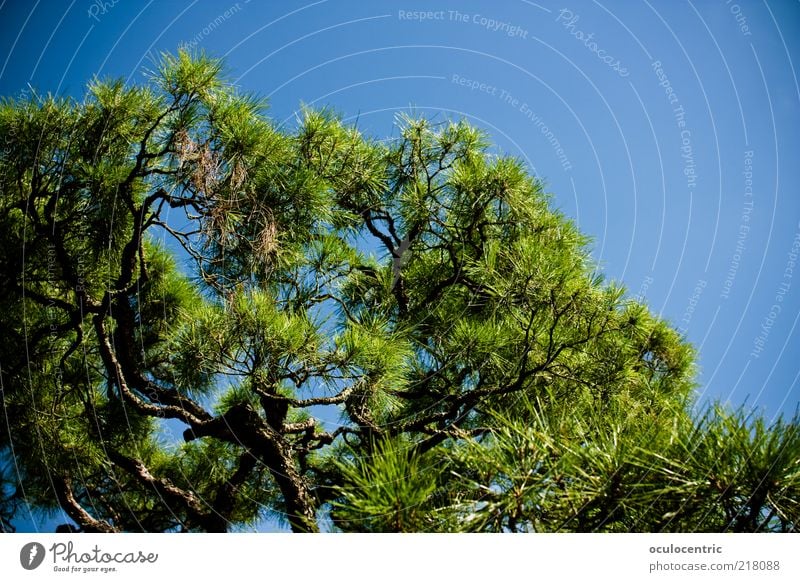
<point>243,426</point>
<point>70,505</point>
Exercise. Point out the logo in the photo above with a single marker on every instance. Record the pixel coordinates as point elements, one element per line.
<point>31,555</point>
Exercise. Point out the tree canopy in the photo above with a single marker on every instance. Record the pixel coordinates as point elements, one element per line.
<point>344,332</point>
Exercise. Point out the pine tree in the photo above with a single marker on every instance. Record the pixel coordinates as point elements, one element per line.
<point>395,335</point>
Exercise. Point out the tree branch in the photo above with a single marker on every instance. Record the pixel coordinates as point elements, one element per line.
<point>67,501</point>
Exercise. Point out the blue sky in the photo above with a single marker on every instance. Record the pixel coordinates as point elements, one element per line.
<point>666,129</point>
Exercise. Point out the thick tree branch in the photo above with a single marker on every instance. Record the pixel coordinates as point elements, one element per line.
<point>67,501</point>
<point>198,512</point>
<point>117,375</point>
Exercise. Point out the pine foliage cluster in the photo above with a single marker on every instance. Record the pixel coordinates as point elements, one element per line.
<point>209,320</point>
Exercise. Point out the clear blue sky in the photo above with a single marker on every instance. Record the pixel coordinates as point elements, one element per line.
<point>668,130</point>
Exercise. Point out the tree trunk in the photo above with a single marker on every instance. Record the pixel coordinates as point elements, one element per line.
<point>300,506</point>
